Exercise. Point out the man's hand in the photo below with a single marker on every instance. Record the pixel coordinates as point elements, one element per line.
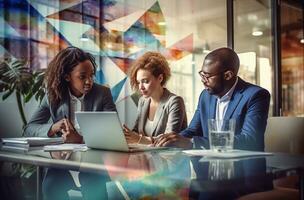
<point>174,140</point>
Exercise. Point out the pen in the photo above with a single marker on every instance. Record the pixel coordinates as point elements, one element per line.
<point>59,133</point>
<point>65,116</point>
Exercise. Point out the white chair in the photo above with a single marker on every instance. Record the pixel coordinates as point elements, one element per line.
<point>285,134</point>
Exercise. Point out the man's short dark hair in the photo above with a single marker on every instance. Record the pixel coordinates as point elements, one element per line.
<point>226,57</point>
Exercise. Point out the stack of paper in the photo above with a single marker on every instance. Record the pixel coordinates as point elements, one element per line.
<point>25,144</point>
<point>66,147</point>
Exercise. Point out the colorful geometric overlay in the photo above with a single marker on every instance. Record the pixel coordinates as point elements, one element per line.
<point>117,33</point>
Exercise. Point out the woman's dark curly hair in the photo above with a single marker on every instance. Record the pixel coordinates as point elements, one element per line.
<point>153,62</point>
<point>61,66</point>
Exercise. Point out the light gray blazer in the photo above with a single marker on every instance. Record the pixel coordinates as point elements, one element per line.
<point>98,99</point>
<point>170,115</point>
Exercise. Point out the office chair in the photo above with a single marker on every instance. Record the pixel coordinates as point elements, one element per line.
<point>285,135</point>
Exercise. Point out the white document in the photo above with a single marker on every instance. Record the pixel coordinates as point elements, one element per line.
<point>229,154</point>
<point>66,147</point>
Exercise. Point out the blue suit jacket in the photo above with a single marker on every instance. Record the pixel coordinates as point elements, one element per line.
<point>248,106</point>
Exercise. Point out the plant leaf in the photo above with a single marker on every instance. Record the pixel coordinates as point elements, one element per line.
<point>3,86</point>
<point>28,97</point>
<point>7,94</point>
<point>39,95</point>
<point>15,75</point>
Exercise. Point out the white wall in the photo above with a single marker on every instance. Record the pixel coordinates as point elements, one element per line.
<point>10,120</point>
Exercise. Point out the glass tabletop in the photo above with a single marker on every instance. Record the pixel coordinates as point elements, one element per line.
<point>168,173</point>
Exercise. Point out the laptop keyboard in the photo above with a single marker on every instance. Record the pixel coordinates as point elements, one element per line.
<point>144,147</point>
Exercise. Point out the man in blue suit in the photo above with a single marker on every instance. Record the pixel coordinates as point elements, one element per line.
<point>226,96</point>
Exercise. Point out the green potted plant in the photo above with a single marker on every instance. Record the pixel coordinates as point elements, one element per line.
<point>17,78</point>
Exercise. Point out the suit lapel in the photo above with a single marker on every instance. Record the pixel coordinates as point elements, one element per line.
<point>158,114</point>
<point>88,103</point>
<point>145,109</point>
<point>89,100</point>
<point>160,110</point>
<point>212,107</point>
<point>235,99</point>
<point>233,104</point>
<point>65,107</point>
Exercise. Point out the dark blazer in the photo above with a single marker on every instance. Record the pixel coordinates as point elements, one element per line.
<point>98,99</point>
<point>170,115</point>
<point>248,106</point>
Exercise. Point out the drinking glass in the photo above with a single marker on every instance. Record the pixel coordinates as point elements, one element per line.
<point>221,134</point>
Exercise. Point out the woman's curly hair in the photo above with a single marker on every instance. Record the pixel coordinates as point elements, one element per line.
<point>153,62</point>
<point>61,66</point>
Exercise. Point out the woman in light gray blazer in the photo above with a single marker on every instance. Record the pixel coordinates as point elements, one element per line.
<point>159,110</point>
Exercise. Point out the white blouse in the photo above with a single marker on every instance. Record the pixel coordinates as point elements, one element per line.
<point>148,127</point>
<point>76,104</point>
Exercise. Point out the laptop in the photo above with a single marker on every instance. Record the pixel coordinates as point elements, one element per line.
<point>103,130</point>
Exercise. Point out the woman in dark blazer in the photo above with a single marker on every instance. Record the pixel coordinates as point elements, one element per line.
<point>69,81</point>
<point>70,88</point>
<point>159,110</point>
<point>99,98</point>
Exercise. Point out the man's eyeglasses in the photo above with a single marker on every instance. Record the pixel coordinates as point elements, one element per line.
<point>206,77</point>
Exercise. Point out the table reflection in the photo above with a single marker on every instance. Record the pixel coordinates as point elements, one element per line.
<point>169,177</point>
<point>61,155</point>
<point>58,182</point>
<point>172,174</point>
<point>228,178</point>
<point>220,169</point>
<point>157,175</point>
<point>164,174</point>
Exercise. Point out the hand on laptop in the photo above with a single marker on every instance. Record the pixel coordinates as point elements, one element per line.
<point>134,137</point>
<point>172,139</point>
<point>131,136</point>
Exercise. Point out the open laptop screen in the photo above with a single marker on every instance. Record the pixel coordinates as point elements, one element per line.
<point>102,130</point>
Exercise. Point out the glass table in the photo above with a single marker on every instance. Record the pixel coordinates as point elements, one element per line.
<point>165,174</point>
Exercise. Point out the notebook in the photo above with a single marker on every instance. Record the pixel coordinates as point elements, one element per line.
<point>26,144</point>
<point>103,130</point>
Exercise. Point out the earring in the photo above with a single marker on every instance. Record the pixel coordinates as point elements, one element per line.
<point>66,78</point>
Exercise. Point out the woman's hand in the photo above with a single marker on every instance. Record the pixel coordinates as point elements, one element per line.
<point>59,126</point>
<point>131,136</point>
<point>69,133</point>
<point>173,140</point>
<point>71,136</point>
